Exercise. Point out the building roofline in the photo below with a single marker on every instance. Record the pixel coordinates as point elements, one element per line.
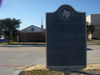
<point>29,27</point>
<point>93,14</point>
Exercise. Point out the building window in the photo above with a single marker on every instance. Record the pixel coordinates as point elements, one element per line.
<point>32,29</point>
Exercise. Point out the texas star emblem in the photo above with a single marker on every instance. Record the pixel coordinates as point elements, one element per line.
<point>66,13</point>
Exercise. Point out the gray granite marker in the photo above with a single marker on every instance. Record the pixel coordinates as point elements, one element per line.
<point>66,39</point>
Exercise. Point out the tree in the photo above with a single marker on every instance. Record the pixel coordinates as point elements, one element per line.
<point>9,27</point>
<point>90,30</point>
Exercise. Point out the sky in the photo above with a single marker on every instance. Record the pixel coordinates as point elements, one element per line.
<point>30,12</point>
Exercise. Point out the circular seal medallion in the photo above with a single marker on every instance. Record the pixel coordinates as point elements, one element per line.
<point>65,13</point>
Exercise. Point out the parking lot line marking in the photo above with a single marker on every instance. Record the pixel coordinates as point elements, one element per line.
<point>12,66</point>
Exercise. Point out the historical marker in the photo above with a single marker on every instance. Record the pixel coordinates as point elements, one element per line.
<point>66,39</point>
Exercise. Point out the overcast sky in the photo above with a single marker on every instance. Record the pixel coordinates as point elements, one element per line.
<point>30,12</point>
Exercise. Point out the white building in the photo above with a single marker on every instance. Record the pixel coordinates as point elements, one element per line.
<point>31,34</point>
<point>2,37</point>
<point>94,19</point>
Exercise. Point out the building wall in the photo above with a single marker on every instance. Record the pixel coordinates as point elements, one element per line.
<point>30,37</point>
<point>31,34</point>
<point>94,19</point>
<point>88,19</point>
<point>95,34</point>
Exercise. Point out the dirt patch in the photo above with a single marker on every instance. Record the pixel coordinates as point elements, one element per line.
<point>40,69</point>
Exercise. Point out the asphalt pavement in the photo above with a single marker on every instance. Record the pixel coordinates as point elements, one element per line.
<point>13,59</point>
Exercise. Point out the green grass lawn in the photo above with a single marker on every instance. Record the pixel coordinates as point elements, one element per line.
<point>22,43</point>
<point>93,41</point>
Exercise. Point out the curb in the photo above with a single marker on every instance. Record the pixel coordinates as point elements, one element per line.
<point>35,45</point>
<point>17,72</point>
<point>15,45</point>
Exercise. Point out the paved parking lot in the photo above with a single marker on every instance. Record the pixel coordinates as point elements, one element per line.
<point>12,59</point>
<point>93,54</point>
